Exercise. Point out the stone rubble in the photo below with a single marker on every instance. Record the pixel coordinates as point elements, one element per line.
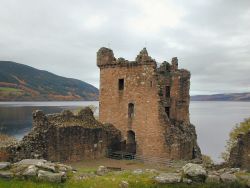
<point>228,178</point>
<point>187,181</point>
<point>195,172</point>
<point>41,170</point>
<point>31,171</point>
<point>102,170</point>
<point>213,179</point>
<point>51,177</point>
<point>165,178</point>
<point>4,165</point>
<point>137,171</point>
<point>190,173</point>
<point>6,174</point>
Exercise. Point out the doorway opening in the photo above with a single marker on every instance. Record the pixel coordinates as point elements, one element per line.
<point>131,143</point>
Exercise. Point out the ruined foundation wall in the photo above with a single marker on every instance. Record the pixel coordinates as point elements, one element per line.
<point>65,137</point>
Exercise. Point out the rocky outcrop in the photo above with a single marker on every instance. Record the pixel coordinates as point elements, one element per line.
<point>164,178</point>
<point>228,178</point>
<point>211,178</point>
<point>240,153</point>
<point>64,137</point>
<point>194,172</point>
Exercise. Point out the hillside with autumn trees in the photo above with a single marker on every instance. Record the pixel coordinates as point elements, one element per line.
<point>20,82</point>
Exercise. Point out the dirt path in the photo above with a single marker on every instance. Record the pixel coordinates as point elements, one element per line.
<point>123,164</point>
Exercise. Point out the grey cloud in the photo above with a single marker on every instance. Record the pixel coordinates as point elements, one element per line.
<point>210,39</point>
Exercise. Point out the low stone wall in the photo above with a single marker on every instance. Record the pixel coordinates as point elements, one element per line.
<point>240,154</point>
<point>65,137</point>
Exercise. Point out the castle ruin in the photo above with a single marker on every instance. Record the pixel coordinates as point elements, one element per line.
<point>63,137</point>
<point>148,104</point>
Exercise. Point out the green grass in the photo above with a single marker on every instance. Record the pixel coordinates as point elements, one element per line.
<point>105,184</point>
<point>110,180</point>
<point>27,184</point>
<point>9,89</point>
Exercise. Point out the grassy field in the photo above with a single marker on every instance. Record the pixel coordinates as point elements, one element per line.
<point>110,181</point>
<point>84,177</point>
<point>8,89</point>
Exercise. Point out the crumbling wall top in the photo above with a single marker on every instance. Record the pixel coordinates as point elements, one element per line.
<point>143,56</point>
<point>105,57</point>
<point>84,118</point>
<point>174,63</point>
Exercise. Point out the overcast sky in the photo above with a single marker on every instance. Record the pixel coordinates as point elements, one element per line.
<point>211,38</point>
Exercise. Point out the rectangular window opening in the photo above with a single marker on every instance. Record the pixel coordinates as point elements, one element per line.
<point>167,111</point>
<point>131,110</point>
<point>151,83</point>
<point>167,91</point>
<point>121,84</point>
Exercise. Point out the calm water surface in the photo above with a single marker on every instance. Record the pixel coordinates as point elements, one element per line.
<point>213,120</point>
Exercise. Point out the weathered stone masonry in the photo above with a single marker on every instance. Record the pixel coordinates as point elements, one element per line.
<point>148,104</point>
<point>240,153</point>
<point>64,137</point>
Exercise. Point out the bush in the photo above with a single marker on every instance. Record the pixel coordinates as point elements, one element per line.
<point>241,128</point>
<point>207,161</point>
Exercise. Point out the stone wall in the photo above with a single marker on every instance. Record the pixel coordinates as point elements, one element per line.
<point>160,100</point>
<point>180,134</point>
<point>65,137</point>
<point>5,142</point>
<point>240,153</point>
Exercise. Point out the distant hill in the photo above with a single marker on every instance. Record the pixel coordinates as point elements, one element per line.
<point>20,82</point>
<point>222,97</point>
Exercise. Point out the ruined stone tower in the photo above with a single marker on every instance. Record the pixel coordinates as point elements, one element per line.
<point>148,104</point>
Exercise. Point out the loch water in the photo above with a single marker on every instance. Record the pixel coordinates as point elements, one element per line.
<point>213,119</point>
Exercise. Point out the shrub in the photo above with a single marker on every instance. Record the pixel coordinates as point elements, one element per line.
<point>241,128</point>
<point>207,161</point>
